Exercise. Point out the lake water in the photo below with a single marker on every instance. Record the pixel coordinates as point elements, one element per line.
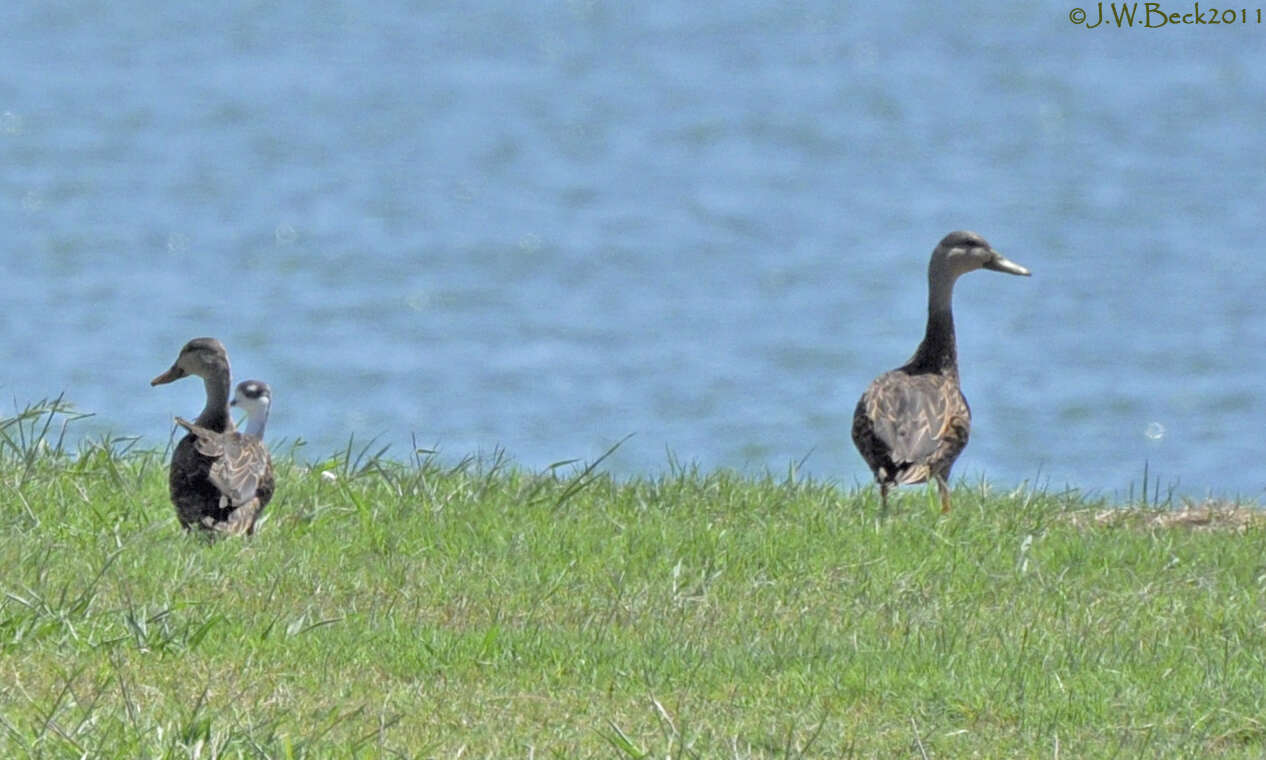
<point>545,226</point>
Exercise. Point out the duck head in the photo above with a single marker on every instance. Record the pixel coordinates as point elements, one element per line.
<point>204,357</point>
<point>964,251</point>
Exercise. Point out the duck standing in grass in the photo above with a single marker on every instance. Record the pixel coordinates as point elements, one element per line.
<point>220,479</point>
<point>913,422</point>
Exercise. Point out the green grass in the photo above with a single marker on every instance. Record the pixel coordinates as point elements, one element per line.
<point>428,609</point>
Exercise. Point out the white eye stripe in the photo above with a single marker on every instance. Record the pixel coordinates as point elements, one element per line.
<point>253,389</point>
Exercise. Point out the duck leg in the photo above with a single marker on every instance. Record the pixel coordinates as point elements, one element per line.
<point>883,499</point>
<point>943,487</point>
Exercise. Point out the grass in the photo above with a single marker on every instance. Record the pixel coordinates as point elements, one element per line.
<point>423,609</point>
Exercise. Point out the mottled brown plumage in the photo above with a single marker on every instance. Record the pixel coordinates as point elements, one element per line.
<point>220,479</point>
<point>241,471</point>
<point>913,422</point>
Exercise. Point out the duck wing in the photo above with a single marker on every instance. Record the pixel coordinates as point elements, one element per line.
<point>240,463</point>
<point>242,466</point>
<point>917,423</point>
<point>206,441</point>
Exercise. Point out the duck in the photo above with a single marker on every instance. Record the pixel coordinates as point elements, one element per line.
<point>220,479</point>
<point>912,423</point>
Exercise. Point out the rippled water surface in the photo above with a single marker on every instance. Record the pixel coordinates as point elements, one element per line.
<point>545,226</point>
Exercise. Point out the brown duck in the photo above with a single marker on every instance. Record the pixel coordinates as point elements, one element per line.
<point>913,422</point>
<point>220,479</point>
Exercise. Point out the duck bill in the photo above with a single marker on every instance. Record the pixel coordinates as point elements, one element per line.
<point>1002,264</point>
<point>175,373</point>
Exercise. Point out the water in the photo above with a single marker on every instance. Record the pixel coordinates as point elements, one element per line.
<point>543,227</point>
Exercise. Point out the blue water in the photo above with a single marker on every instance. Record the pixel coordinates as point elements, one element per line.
<point>545,226</point>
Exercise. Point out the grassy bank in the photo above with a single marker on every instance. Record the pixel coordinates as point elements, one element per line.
<point>427,609</point>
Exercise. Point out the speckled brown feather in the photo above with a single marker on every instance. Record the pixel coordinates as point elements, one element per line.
<point>226,479</point>
<point>911,427</point>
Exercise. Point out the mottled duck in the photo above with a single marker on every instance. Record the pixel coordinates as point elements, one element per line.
<point>220,479</point>
<point>913,422</point>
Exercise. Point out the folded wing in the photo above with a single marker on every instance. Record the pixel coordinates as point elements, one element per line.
<point>241,468</point>
<point>914,425</point>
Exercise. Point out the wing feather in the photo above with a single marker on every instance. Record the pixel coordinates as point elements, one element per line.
<point>914,425</point>
<point>241,470</point>
<point>241,467</point>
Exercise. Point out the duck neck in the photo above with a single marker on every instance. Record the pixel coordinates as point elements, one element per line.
<point>215,415</point>
<point>256,420</point>
<point>938,352</point>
